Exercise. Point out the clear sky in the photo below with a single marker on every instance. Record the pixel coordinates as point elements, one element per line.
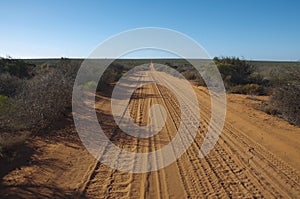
<point>256,30</point>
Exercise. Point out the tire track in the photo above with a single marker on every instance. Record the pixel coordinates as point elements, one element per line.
<point>191,182</point>
<point>274,190</point>
<point>194,153</point>
<point>236,167</point>
<point>246,145</point>
<point>268,184</point>
<point>101,180</point>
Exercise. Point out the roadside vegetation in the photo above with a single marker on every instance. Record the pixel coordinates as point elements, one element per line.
<point>32,97</point>
<point>279,80</point>
<point>34,94</point>
<point>285,96</point>
<point>241,77</point>
<point>282,84</point>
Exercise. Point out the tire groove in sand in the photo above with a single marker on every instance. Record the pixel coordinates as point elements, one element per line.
<point>103,188</point>
<point>264,156</point>
<point>194,154</point>
<point>187,183</point>
<point>216,162</point>
<point>269,185</point>
<point>228,171</point>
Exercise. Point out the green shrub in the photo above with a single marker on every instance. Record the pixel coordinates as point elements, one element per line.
<point>234,71</point>
<point>4,105</point>
<point>3,100</point>
<point>7,106</point>
<point>92,85</point>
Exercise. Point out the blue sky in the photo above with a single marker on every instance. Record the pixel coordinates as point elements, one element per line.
<point>256,30</point>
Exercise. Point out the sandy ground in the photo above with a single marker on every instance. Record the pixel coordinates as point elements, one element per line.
<point>257,155</point>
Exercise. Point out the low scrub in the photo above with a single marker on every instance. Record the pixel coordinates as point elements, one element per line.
<point>9,84</point>
<point>7,106</point>
<point>285,96</point>
<point>40,100</point>
<point>3,101</point>
<point>112,74</point>
<point>286,99</point>
<point>16,67</point>
<point>194,76</point>
<point>269,109</point>
<point>249,89</point>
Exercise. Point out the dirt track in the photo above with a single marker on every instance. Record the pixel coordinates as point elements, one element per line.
<point>256,156</point>
<point>237,167</point>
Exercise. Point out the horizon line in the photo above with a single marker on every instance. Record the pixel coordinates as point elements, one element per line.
<point>143,58</point>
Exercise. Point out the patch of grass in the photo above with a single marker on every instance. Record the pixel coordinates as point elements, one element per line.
<point>3,100</point>
<point>6,106</point>
<point>92,85</point>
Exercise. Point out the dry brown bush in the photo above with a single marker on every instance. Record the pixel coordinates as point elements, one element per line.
<point>287,100</point>
<point>9,85</point>
<point>41,101</point>
<point>285,97</point>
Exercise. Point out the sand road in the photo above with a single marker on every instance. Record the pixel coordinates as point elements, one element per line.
<point>238,166</point>
<point>256,156</point>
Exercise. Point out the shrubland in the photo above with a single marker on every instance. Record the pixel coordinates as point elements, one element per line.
<point>285,96</point>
